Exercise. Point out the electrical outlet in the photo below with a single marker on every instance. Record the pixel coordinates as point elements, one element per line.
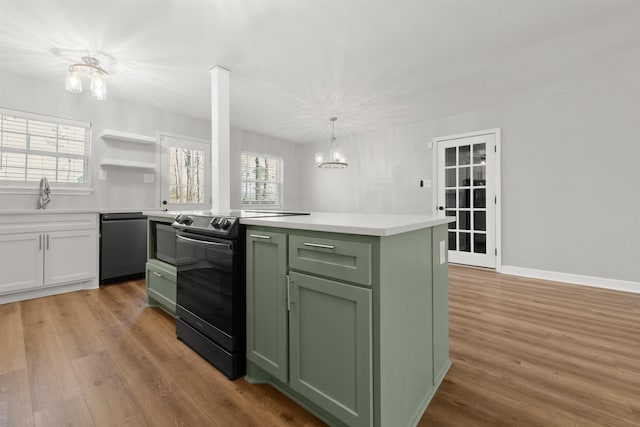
<point>427,183</point>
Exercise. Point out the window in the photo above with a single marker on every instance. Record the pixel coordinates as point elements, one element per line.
<point>34,146</point>
<point>261,180</point>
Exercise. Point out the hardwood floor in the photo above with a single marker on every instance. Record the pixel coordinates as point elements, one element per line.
<point>525,352</point>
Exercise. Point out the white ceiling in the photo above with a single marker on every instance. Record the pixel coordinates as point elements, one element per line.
<point>374,64</point>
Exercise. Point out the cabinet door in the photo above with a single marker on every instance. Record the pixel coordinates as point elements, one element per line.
<point>267,302</point>
<point>330,345</point>
<point>70,256</point>
<point>20,261</point>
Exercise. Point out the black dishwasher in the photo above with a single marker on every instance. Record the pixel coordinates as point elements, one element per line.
<point>123,246</point>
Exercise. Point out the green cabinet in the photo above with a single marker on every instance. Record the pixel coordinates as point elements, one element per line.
<point>161,285</point>
<point>267,323</point>
<point>352,327</point>
<point>160,275</point>
<point>330,346</point>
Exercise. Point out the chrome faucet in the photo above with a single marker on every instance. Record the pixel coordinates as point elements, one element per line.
<point>44,193</point>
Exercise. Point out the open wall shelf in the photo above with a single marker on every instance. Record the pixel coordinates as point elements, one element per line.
<point>127,164</point>
<point>127,137</point>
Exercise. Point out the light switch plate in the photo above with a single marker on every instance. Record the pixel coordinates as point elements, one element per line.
<point>427,183</point>
<point>149,178</point>
<point>102,174</point>
<point>429,144</point>
<point>443,255</point>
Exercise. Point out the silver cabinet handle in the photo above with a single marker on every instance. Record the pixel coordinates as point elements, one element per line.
<point>156,274</point>
<point>47,242</point>
<point>40,242</point>
<point>318,245</point>
<point>288,294</point>
<point>205,242</point>
<point>259,236</point>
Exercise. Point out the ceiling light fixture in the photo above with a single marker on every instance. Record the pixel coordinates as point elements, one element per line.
<point>335,159</point>
<point>90,68</point>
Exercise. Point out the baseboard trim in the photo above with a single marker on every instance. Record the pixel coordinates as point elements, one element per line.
<point>576,279</point>
<point>48,291</point>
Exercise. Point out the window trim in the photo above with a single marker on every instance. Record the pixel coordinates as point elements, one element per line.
<point>60,188</point>
<point>280,182</point>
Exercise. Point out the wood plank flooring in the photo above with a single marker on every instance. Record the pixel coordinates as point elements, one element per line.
<point>525,352</point>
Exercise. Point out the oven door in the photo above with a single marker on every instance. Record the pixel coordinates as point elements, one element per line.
<point>208,286</point>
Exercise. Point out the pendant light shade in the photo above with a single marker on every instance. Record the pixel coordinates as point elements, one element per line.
<point>334,159</point>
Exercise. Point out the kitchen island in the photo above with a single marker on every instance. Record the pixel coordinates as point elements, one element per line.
<point>347,314</point>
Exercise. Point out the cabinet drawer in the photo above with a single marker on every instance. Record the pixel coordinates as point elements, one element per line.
<point>161,286</point>
<point>339,259</point>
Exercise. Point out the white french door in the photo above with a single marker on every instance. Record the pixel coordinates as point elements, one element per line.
<point>185,173</point>
<point>467,184</point>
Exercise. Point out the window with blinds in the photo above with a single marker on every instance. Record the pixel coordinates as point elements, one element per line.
<point>35,146</point>
<point>261,179</point>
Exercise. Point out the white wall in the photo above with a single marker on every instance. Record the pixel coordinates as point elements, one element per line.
<point>248,141</point>
<point>570,176</point>
<point>123,188</point>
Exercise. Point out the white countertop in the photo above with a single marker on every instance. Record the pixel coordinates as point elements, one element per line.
<point>72,211</point>
<point>367,224</point>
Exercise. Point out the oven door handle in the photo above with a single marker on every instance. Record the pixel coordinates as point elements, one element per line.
<point>204,242</point>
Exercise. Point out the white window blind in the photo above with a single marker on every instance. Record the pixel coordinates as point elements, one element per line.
<point>261,179</point>
<point>33,146</point>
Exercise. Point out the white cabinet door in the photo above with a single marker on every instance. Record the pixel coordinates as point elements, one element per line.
<point>70,256</point>
<point>21,261</point>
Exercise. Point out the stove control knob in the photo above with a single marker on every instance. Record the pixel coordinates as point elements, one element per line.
<point>187,220</point>
<point>215,222</point>
<point>179,218</point>
<point>225,224</point>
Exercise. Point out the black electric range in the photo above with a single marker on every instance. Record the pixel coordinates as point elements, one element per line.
<point>210,300</point>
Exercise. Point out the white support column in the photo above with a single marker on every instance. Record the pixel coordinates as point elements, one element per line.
<point>220,140</point>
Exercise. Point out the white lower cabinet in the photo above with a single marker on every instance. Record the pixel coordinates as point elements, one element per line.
<point>62,250</point>
<point>21,261</point>
<point>69,256</point>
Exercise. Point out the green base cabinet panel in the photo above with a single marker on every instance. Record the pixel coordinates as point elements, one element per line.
<point>330,346</point>
<point>161,285</point>
<point>354,328</point>
<point>267,324</point>
<point>160,276</point>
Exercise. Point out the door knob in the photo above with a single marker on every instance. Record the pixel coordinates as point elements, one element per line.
<point>440,208</point>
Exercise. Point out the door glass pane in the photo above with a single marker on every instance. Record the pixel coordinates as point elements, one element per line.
<point>450,198</point>
<point>464,177</point>
<point>465,155</point>
<point>465,198</point>
<point>450,156</point>
<point>452,225</point>
<point>452,241</point>
<point>465,220</point>
<point>479,175</point>
<point>186,175</point>
<point>479,198</point>
<point>479,243</point>
<point>479,154</point>
<point>465,242</point>
<point>450,177</point>
<point>480,220</point>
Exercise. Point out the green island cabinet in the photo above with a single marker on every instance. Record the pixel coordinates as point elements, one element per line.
<point>352,327</point>
<point>160,275</point>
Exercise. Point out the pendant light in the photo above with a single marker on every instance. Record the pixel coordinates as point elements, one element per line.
<point>335,158</point>
<point>89,68</point>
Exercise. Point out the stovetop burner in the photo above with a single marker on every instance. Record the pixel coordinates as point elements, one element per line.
<point>223,225</point>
